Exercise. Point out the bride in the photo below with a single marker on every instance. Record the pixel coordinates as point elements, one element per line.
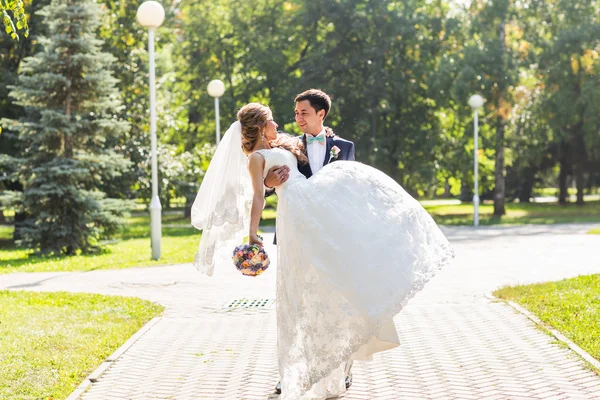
<point>353,248</point>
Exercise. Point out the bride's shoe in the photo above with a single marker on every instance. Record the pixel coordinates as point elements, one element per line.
<point>348,384</point>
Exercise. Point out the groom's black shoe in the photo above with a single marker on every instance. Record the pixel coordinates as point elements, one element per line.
<point>348,384</point>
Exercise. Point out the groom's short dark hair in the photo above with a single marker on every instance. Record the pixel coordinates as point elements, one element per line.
<point>318,99</point>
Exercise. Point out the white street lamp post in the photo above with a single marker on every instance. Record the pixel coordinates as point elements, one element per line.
<point>150,14</point>
<point>215,89</point>
<point>476,102</point>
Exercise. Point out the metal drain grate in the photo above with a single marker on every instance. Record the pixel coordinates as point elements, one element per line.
<point>250,303</point>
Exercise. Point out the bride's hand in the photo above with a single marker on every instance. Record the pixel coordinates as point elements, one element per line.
<point>255,239</point>
<point>329,132</point>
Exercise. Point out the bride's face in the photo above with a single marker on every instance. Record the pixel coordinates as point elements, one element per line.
<point>271,128</point>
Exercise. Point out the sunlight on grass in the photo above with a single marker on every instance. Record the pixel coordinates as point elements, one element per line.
<point>125,254</point>
<point>268,217</point>
<point>572,306</point>
<point>6,232</point>
<point>180,240</point>
<point>516,213</point>
<point>49,342</point>
<point>179,244</point>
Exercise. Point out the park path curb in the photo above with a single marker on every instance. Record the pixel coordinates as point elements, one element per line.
<point>97,373</point>
<point>557,335</point>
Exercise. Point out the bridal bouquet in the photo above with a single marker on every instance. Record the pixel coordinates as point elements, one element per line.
<point>250,260</point>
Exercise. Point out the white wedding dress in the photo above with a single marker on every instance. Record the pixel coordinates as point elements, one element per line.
<point>353,248</point>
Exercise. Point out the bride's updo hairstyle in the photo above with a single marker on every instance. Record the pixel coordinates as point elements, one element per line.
<point>253,117</point>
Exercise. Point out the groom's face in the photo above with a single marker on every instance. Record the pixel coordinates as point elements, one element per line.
<point>308,119</point>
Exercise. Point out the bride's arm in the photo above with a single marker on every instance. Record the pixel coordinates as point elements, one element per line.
<point>256,165</point>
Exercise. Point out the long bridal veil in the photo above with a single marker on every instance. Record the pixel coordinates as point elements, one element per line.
<point>222,207</point>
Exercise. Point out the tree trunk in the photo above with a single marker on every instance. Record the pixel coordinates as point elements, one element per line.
<point>579,182</point>
<point>579,167</point>
<point>580,158</point>
<point>562,176</point>
<point>500,188</point>
<point>526,191</point>
<point>19,219</point>
<point>68,142</point>
<point>466,192</point>
<point>447,193</point>
<point>189,201</point>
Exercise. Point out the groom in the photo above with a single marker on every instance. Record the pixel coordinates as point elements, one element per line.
<point>321,147</point>
<point>312,107</point>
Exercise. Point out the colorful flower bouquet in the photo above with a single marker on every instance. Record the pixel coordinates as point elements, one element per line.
<point>251,260</point>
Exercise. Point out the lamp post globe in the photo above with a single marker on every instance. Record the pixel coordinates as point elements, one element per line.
<point>476,102</point>
<point>216,89</point>
<point>150,14</point>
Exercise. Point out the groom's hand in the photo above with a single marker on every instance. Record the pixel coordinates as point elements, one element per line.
<point>277,175</point>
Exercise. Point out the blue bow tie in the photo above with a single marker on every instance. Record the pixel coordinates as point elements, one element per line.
<point>311,139</point>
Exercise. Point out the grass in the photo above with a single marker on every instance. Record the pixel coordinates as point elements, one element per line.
<point>49,342</point>
<point>572,306</point>
<point>517,213</point>
<point>6,232</point>
<point>124,254</point>
<point>268,217</point>
<point>180,239</point>
<point>271,202</point>
<point>132,249</point>
<point>178,245</point>
<point>553,191</point>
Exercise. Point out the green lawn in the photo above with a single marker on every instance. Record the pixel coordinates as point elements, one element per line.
<point>517,213</point>
<point>268,217</point>
<point>553,191</point>
<point>49,342</point>
<point>271,202</point>
<point>131,249</point>
<point>6,232</point>
<point>124,254</point>
<point>572,306</point>
<point>180,239</point>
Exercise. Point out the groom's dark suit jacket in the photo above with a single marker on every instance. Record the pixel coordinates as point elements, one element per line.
<point>346,153</point>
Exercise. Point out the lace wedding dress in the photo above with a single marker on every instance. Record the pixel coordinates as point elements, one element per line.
<point>353,248</point>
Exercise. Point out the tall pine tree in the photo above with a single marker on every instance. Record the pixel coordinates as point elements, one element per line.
<point>70,100</point>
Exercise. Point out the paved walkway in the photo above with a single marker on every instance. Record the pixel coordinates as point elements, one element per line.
<point>456,343</point>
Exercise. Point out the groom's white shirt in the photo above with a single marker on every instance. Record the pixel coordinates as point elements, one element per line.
<point>316,153</point>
